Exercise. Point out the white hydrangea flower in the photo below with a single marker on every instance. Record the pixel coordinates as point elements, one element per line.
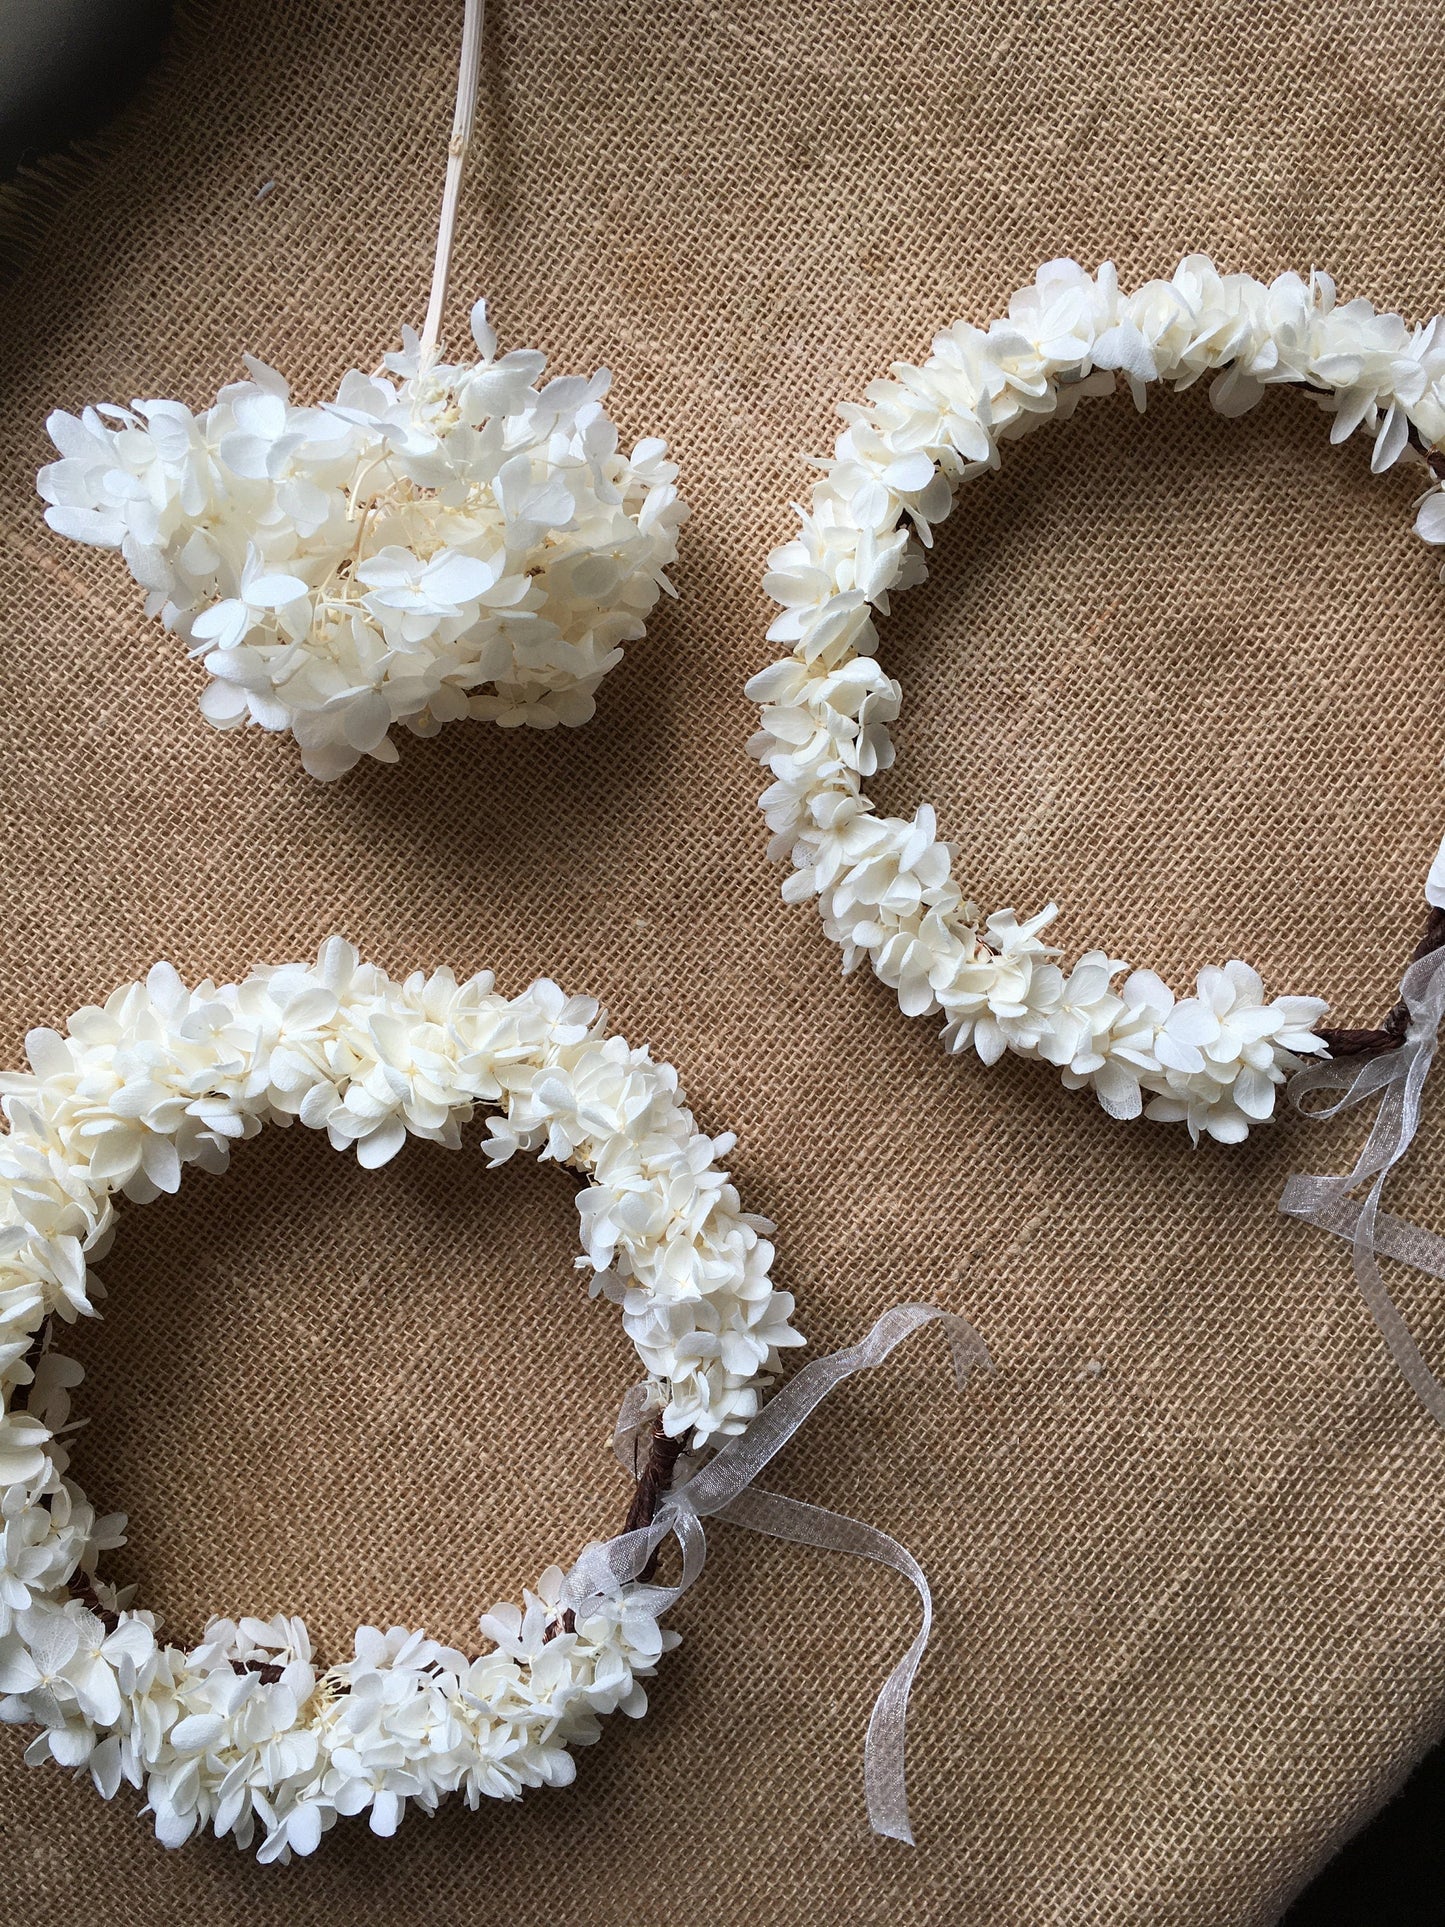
<point>23,1440</point>
<point>1126,1052</point>
<point>1224,1051</point>
<point>140,1088</point>
<point>45,1545</point>
<point>885,886</point>
<point>440,541</point>
<point>64,1670</point>
<point>1002,992</point>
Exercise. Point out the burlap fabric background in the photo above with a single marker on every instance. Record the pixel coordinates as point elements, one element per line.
<point>1185,673</point>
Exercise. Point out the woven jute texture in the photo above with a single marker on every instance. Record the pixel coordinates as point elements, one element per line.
<point>1183,673</point>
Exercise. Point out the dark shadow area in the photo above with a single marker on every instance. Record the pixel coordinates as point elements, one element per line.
<point>66,66</point>
<point>1394,1871</point>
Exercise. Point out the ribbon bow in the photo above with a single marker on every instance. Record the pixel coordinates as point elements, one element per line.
<point>1397,1078</point>
<point>723,1488</point>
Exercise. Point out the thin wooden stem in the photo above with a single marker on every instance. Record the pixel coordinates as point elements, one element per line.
<point>463,121</point>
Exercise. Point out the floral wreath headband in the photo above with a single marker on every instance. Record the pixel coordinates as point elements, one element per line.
<point>886,887</point>
<point>246,1732</point>
<point>442,540</point>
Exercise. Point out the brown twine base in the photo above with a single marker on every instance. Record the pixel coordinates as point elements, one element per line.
<point>653,1485</point>
<point>1391,1033</point>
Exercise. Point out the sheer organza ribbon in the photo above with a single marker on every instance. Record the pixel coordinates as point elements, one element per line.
<point>723,1488</point>
<point>1397,1078</point>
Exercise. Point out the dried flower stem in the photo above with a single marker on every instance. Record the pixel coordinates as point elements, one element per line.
<point>82,1587</point>
<point>38,1347</point>
<point>468,76</point>
<point>1434,458</point>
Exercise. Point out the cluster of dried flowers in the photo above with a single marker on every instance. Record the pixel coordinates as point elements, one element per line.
<point>440,541</point>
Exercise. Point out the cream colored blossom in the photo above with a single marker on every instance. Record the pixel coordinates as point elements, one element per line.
<point>440,541</point>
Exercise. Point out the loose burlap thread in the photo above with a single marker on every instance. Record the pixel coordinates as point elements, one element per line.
<point>1184,673</point>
